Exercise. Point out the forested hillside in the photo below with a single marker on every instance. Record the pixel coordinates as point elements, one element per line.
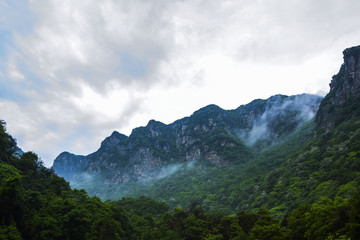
<point>275,153</point>
<point>298,181</point>
<point>320,159</point>
<point>37,204</point>
<point>210,138</point>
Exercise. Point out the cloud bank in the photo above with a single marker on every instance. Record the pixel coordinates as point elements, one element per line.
<point>71,72</point>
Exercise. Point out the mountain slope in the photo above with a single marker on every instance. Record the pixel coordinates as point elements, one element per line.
<point>37,204</point>
<point>219,137</point>
<point>342,102</point>
<point>309,178</point>
<point>321,159</point>
<point>268,153</point>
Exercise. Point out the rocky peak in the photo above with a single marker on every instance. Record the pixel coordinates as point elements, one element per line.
<point>276,99</point>
<point>207,118</point>
<point>114,139</point>
<point>344,92</point>
<point>68,164</point>
<point>348,79</point>
<point>155,128</point>
<point>210,111</point>
<point>211,133</point>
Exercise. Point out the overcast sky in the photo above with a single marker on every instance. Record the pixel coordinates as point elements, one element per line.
<point>71,72</point>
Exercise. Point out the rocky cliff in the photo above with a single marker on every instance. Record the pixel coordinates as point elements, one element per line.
<point>68,164</point>
<point>344,96</point>
<point>212,134</point>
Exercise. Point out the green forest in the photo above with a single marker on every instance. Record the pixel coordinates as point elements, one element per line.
<point>37,204</point>
<point>303,187</point>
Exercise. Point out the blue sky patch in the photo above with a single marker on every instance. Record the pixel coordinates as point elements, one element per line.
<point>133,66</point>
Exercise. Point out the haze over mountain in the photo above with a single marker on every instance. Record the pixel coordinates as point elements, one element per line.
<point>71,72</point>
<point>220,136</point>
<point>282,168</point>
<point>246,158</point>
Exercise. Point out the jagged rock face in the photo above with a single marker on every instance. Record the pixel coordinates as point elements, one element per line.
<point>68,164</point>
<point>350,78</point>
<point>219,136</point>
<point>270,121</point>
<point>114,140</point>
<point>344,91</point>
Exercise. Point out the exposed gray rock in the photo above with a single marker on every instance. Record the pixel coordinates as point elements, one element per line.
<point>68,164</point>
<point>221,137</point>
<point>344,91</point>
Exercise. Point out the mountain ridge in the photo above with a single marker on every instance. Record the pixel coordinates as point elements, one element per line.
<point>220,136</point>
<point>300,182</point>
<point>344,89</point>
<point>275,153</point>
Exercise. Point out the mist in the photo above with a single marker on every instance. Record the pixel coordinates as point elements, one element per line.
<point>173,168</point>
<point>281,113</point>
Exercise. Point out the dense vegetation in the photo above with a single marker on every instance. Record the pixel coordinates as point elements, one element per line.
<point>300,170</point>
<point>37,204</point>
<point>301,184</point>
<point>223,137</point>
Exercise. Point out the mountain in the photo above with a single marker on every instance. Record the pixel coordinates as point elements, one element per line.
<point>36,204</point>
<point>342,101</point>
<point>321,158</point>
<point>221,137</point>
<point>289,176</point>
<point>276,153</point>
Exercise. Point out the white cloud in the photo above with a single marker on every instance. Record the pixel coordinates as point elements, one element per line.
<point>98,66</point>
<point>103,41</point>
<point>14,73</point>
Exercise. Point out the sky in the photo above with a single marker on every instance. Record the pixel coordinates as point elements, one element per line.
<point>72,72</point>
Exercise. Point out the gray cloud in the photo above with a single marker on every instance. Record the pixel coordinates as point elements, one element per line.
<point>102,42</point>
